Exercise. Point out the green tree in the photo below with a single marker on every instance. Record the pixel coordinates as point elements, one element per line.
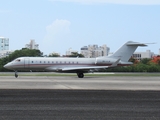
<point>75,54</point>
<point>145,60</point>
<point>54,55</point>
<point>133,60</point>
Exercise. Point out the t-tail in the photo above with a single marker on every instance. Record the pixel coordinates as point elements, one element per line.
<point>125,52</point>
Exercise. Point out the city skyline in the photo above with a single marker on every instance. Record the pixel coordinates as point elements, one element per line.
<point>57,25</point>
<point>89,51</point>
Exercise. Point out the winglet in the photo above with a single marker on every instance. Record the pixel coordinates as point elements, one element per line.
<point>115,63</point>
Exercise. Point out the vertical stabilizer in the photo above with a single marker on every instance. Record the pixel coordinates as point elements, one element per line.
<point>125,52</point>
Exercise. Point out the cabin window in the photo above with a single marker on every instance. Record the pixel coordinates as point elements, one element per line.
<point>40,61</point>
<point>32,61</point>
<point>48,61</point>
<point>52,62</point>
<point>44,62</point>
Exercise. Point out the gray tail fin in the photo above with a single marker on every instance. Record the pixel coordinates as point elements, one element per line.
<point>125,52</point>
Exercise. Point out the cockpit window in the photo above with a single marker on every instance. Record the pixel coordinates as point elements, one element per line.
<point>17,60</point>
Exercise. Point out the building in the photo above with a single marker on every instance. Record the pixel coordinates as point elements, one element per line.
<point>93,51</point>
<point>4,43</point>
<point>142,55</point>
<point>4,47</point>
<point>86,52</point>
<point>70,51</point>
<point>32,45</point>
<point>5,53</point>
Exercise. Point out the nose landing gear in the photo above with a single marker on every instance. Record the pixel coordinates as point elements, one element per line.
<point>16,74</point>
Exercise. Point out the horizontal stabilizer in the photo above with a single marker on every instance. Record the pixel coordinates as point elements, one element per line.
<point>136,44</point>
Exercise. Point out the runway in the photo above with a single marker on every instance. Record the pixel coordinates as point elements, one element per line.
<point>71,98</point>
<point>87,83</point>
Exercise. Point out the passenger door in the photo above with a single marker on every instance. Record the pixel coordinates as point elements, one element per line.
<point>26,63</point>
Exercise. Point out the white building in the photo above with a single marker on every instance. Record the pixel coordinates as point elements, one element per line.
<point>32,45</point>
<point>92,51</point>
<point>142,55</point>
<point>5,53</point>
<point>4,47</point>
<point>85,52</point>
<point>4,43</point>
<point>70,51</point>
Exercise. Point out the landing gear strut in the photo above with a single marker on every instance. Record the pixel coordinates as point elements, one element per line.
<point>80,75</point>
<point>16,74</point>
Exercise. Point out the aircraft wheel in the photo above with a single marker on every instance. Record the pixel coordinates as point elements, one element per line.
<point>80,75</point>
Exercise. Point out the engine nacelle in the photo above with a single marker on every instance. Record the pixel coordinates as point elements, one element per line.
<point>104,60</point>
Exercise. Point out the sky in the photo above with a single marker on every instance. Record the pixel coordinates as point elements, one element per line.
<point>57,25</point>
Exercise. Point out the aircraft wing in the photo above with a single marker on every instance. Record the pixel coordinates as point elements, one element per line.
<point>91,67</point>
<point>83,68</point>
<point>72,68</point>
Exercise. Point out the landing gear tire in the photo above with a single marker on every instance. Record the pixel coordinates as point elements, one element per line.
<point>80,75</point>
<point>16,74</point>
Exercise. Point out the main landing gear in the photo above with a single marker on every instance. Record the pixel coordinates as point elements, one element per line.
<point>16,74</point>
<point>80,75</point>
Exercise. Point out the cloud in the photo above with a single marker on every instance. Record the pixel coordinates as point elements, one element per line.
<point>56,33</point>
<point>57,28</point>
<point>130,2</point>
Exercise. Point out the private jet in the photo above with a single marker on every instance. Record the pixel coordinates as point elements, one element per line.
<point>75,65</point>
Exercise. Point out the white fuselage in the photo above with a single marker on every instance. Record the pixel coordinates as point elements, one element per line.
<point>44,63</point>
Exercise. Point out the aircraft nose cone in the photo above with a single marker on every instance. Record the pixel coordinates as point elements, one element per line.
<point>7,66</point>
